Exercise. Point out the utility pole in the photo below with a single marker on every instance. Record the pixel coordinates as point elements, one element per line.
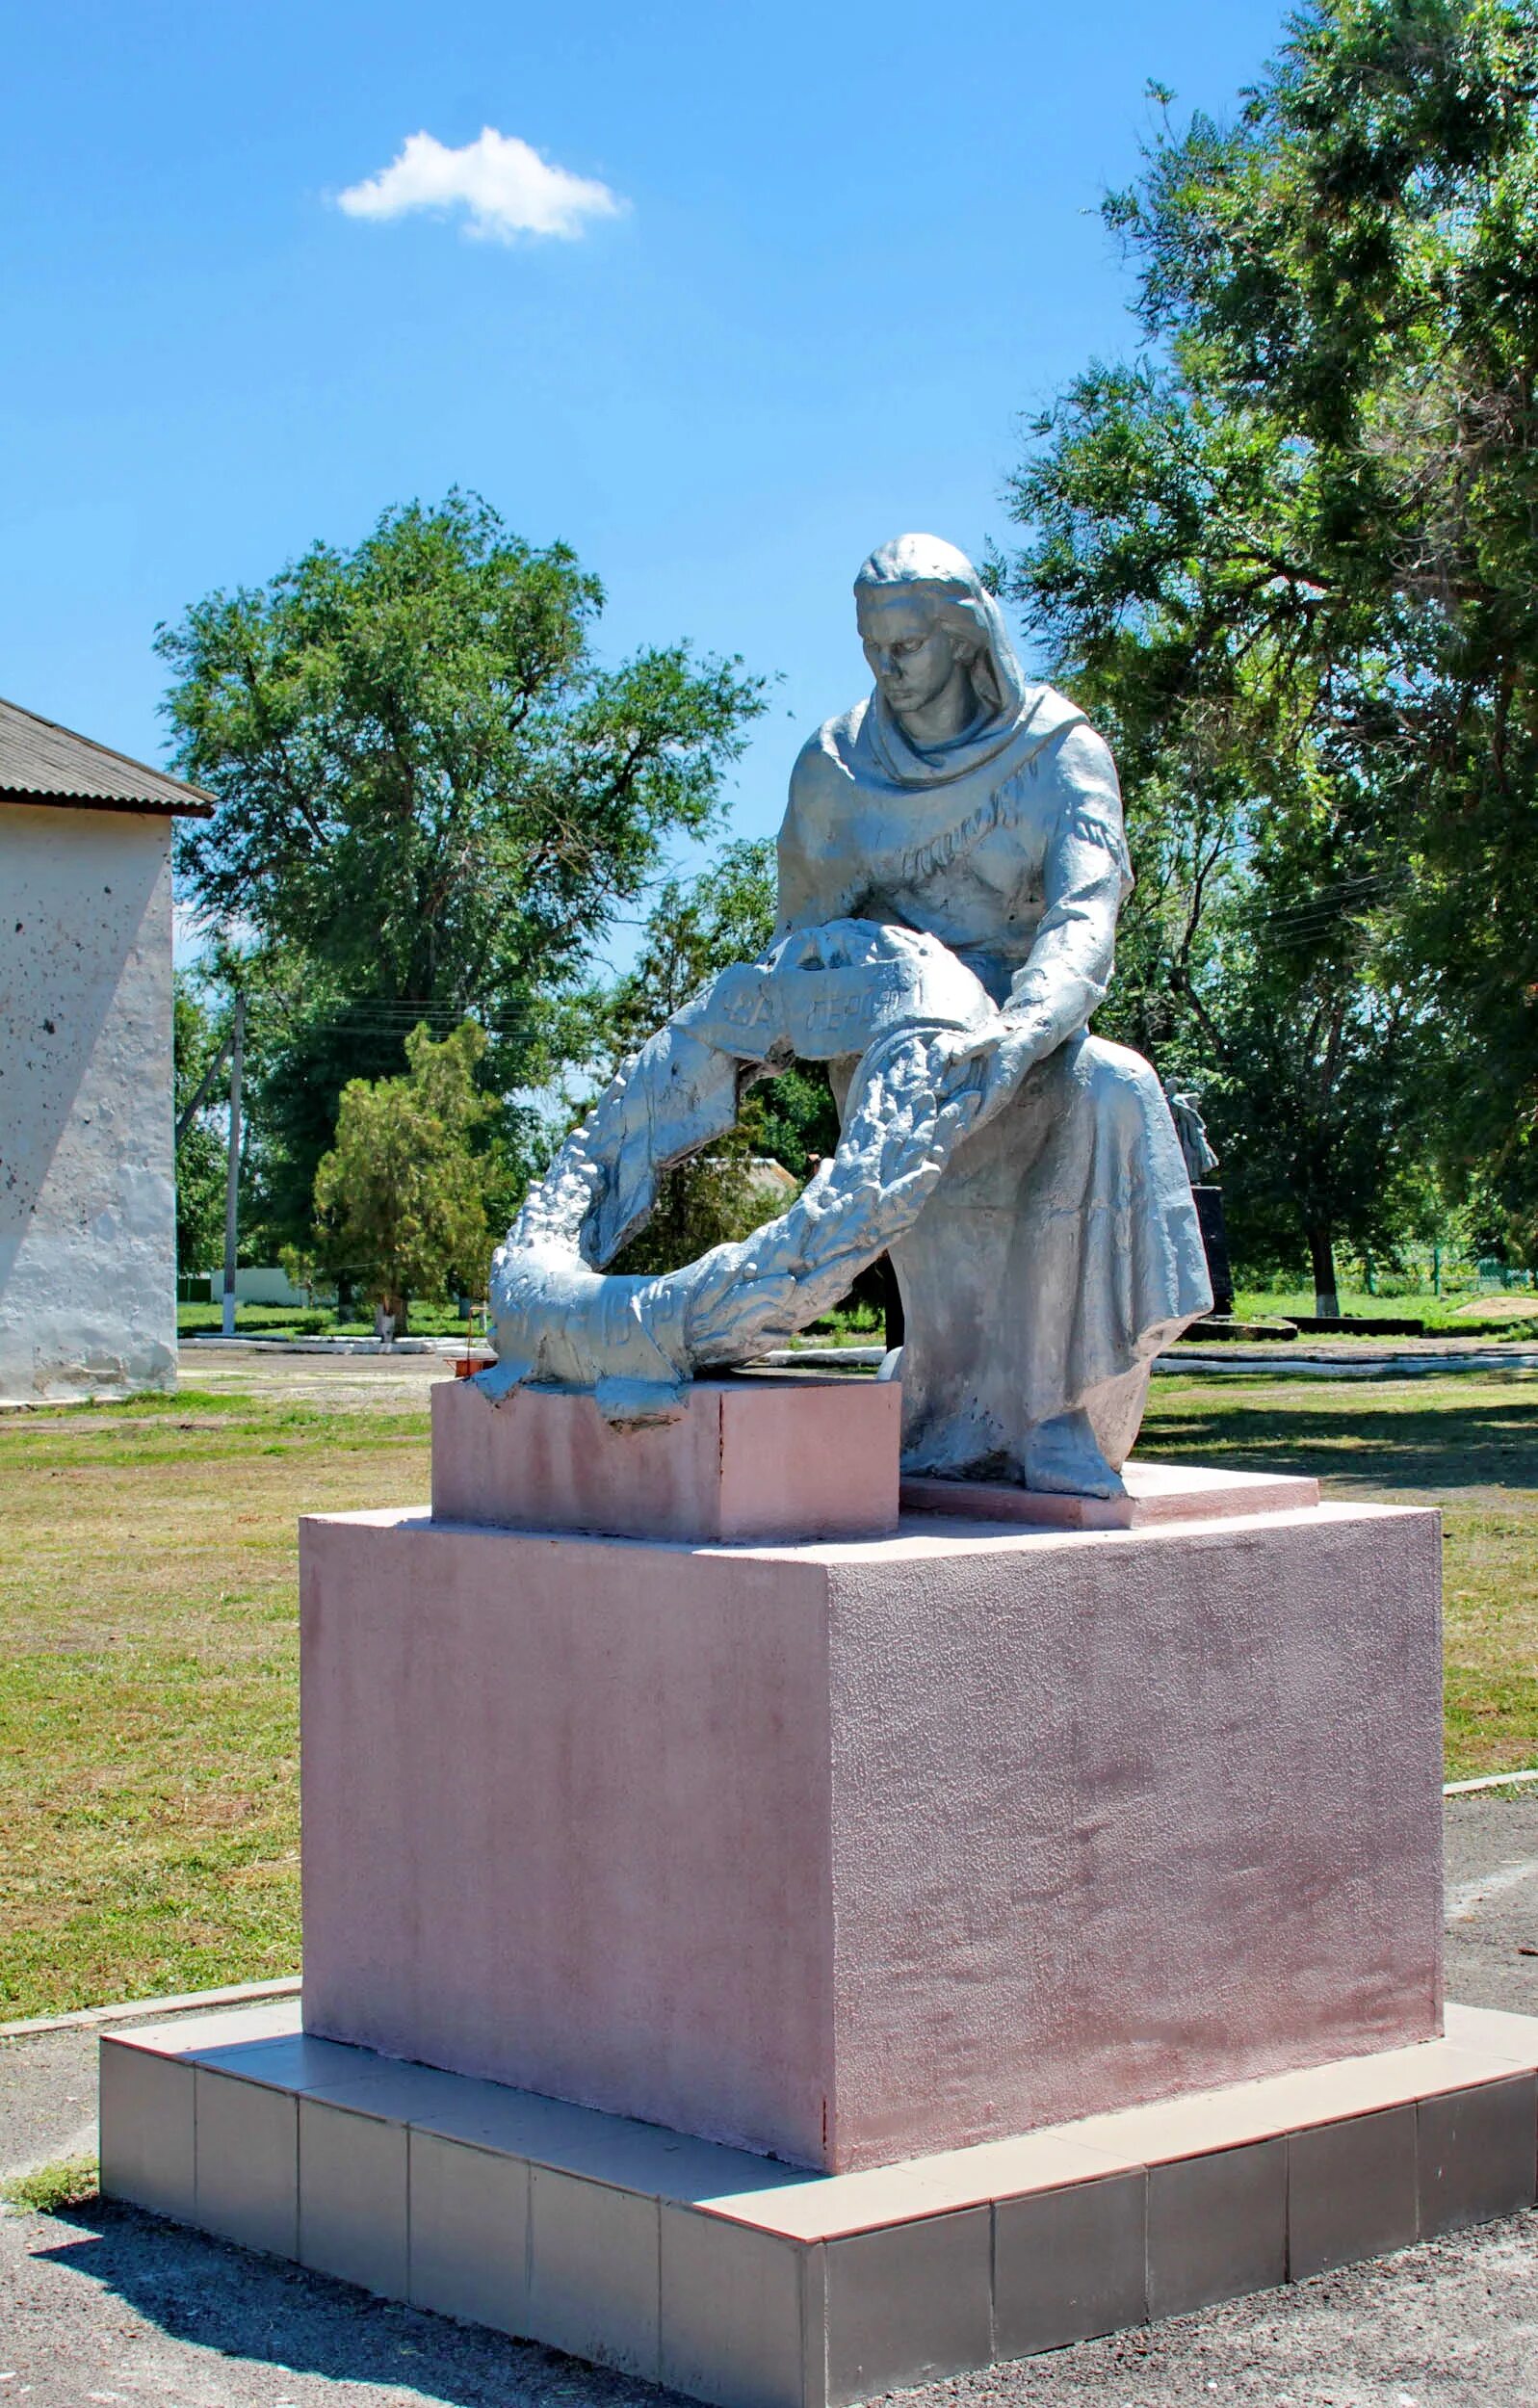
<point>189,1113</point>
<point>233,1177</point>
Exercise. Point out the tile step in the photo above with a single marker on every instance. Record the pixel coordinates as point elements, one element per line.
<point>751,2284</point>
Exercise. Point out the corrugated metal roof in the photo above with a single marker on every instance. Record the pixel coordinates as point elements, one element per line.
<point>41,762</point>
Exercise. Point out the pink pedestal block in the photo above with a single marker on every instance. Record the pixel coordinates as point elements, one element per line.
<point>1155,1492</point>
<point>743,1460</point>
<point>853,1852</point>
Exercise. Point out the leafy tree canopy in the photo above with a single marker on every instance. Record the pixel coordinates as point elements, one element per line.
<point>399,1200</point>
<point>1285,555</point>
<point>425,780</point>
<point>694,929</point>
<point>431,797</point>
<point>202,1154</point>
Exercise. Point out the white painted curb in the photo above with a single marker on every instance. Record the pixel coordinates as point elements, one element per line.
<point>237,1994</point>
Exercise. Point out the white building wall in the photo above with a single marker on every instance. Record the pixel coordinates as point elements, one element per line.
<point>87,1207</point>
<point>256,1283</point>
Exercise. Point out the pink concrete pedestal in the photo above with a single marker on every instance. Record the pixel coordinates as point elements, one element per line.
<point>742,1458</point>
<point>849,1852</point>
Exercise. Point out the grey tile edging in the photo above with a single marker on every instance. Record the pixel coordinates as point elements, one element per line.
<point>860,2310</point>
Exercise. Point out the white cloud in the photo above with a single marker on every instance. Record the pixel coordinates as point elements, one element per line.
<point>503,184</point>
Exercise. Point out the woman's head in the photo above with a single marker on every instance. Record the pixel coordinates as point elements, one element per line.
<point>924,616</point>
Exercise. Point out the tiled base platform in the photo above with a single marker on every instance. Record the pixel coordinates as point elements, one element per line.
<point>747,2283</point>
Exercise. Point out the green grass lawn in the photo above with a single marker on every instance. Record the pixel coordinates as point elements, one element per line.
<point>295,1320</point>
<point>148,1710</point>
<point>1513,1315</point>
<point>148,1714</point>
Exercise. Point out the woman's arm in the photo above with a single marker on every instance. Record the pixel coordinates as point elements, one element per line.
<point>801,888</point>
<point>1087,877</point>
<point>1065,976</point>
<point>814,864</point>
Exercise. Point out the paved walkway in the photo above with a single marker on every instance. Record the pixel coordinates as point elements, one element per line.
<point>390,1383</point>
<point>391,1380</point>
<point>107,2306</point>
<point>1355,1358</point>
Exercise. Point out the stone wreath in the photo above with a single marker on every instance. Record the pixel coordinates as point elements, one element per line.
<point>890,996</point>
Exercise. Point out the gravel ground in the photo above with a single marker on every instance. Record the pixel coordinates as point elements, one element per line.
<point>103,2305</point>
<point>111,2306</point>
<point>1492,1862</point>
<point>390,1383</point>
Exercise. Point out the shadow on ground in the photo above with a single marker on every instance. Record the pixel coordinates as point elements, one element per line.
<point>192,2289</point>
<point>1449,2325</point>
<point>1364,1446</point>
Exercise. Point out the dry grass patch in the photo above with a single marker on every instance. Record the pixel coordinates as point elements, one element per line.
<point>68,2183</point>
<point>1466,1442</point>
<point>148,1719</point>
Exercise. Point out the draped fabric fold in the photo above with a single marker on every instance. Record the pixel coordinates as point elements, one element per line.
<point>1053,1261</point>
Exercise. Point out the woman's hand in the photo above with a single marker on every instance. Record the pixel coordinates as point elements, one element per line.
<point>1002,1053</point>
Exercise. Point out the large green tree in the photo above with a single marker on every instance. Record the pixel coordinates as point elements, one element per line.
<point>202,1152</point>
<point>695,927</point>
<point>1319,1065</point>
<point>1285,555</point>
<point>400,1198</point>
<point>431,797</point>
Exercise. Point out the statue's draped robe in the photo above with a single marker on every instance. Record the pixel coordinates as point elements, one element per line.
<point>1061,1251</point>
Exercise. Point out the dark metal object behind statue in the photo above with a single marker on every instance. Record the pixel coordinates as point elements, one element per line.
<point>1209,1202</point>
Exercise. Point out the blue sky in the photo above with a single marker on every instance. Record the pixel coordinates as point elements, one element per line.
<point>856,241</point>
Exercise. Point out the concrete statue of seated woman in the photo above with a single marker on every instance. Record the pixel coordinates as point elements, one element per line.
<point>1061,1251</point>
<point>951,869</point>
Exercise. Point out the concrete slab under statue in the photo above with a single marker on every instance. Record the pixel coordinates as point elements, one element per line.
<point>816,1884</point>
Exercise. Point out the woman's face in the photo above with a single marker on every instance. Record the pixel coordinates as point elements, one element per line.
<point>912,657</point>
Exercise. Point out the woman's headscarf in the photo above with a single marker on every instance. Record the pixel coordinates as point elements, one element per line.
<point>928,568</point>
